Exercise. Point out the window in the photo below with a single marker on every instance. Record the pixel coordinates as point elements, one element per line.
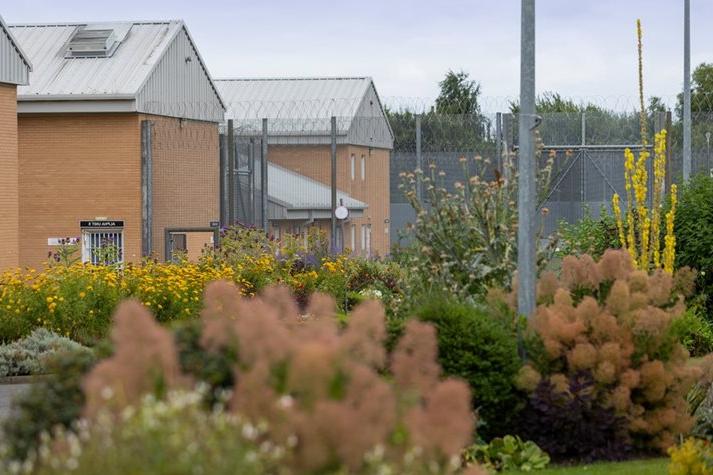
<point>276,231</point>
<point>353,237</point>
<point>363,167</point>
<point>103,247</point>
<point>366,239</point>
<point>352,166</point>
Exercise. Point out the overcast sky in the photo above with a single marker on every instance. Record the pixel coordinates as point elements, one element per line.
<point>586,49</point>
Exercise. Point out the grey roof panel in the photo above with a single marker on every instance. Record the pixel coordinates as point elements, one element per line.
<point>296,191</point>
<point>15,66</point>
<point>122,76</point>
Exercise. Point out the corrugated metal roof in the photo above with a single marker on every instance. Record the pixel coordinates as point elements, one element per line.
<point>299,109</point>
<point>292,98</point>
<point>15,66</point>
<point>121,76</point>
<point>298,192</point>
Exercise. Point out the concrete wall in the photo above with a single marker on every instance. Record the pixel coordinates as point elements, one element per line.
<point>314,161</point>
<point>78,167</point>
<point>185,177</point>
<point>9,206</point>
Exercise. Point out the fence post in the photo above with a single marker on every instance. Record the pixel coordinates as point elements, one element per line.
<point>508,141</point>
<point>333,237</point>
<point>146,188</point>
<point>686,90</point>
<point>527,200</point>
<point>419,158</point>
<point>584,129</point>
<point>231,173</point>
<point>222,194</point>
<point>263,175</point>
<point>251,178</point>
<point>669,152</point>
<point>498,140</point>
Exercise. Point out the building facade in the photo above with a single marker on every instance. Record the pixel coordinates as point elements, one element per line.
<point>14,70</point>
<point>299,112</point>
<point>118,142</point>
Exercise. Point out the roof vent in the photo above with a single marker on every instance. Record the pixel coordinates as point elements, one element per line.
<point>96,41</point>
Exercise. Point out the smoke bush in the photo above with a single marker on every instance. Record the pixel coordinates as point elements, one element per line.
<point>615,323</point>
<point>310,384</point>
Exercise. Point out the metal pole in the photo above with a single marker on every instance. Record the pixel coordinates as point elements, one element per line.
<point>708,151</point>
<point>526,202</point>
<point>251,172</point>
<point>231,173</point>
<point>419,158</point>
<point>686,90</point>
<point>584,129</point>
<point>223,178</point>
<point>146,187</point>
<point>334,185</point>
<point>498,140</point>
<point>263,176</point>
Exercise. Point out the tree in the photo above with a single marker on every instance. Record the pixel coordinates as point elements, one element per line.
<point>458,95</point>
<point>701,91</point>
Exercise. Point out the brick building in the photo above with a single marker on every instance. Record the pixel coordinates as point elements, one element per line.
<point>14,70</point>
<point>299,112</point>
<point>118,141</point>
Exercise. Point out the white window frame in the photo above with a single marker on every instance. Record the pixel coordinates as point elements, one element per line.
<point>95,239</point>
<point>352,166</point>
<point>353,237</point>
<point>363,168</point>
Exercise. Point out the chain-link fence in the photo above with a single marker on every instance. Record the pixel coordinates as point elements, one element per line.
<point>282,176</point>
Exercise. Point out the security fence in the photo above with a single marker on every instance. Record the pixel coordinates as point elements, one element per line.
<point>281,173</point>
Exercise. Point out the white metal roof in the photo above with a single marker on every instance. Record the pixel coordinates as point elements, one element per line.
<point>299,109</point>
<point>121,76</point>
<point>295,191</point>
<point>15,66</point>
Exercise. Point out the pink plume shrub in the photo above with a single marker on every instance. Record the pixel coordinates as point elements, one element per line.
<point>307,382</point>
<point>614,323</point>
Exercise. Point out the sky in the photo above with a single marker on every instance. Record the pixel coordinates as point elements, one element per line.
<point>586,49</point>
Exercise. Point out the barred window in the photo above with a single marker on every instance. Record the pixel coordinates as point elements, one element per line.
<point>102,247</point>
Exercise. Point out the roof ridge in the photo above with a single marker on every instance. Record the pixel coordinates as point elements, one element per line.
<point>81,23</point>
<point>296,78</point>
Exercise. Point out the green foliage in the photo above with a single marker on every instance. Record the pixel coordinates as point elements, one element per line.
<point>590,235</point>
<point>458,95</point>
<point>213,368</point>
<point>694,331</point>
<point>52,401</point>
<point>694,239</point>
<point>465,241</point>
<point>508,453</point>
<point>28,355</point>
<point>481,350</point>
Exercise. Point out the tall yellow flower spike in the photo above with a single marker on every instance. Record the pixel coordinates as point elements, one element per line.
<point>640,229</point>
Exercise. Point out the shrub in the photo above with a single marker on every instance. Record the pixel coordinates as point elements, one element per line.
<point>171,436</point>
<point>694,240</point>
<point>569,423</point>
<point>56,400</point>
<point>692,457</point>
<point>695,332</point>
<point>478,348</point>
<point>314,386</point>
<point>28,355</point>
<point>616,324</point>
<point>590,236</point>
<point>465,240</point>
<point>508,453</point>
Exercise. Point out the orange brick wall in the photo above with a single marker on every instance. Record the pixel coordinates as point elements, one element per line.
<point>9,221</point>
<point>75,167</point>
<point>185,178</point>
<point>314,161</point>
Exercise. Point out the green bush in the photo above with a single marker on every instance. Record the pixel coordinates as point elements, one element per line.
<point>54,401</point>
<point>508,453</point>
<point>694,236</point>
<point>28,355</point>
<point>480,349</point>
<point>695,332</point>
<point>590,235</point>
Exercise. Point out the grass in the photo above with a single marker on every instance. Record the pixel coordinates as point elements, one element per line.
<point>634,467</point>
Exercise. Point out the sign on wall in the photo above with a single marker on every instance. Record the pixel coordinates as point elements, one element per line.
<point>101,224</point>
